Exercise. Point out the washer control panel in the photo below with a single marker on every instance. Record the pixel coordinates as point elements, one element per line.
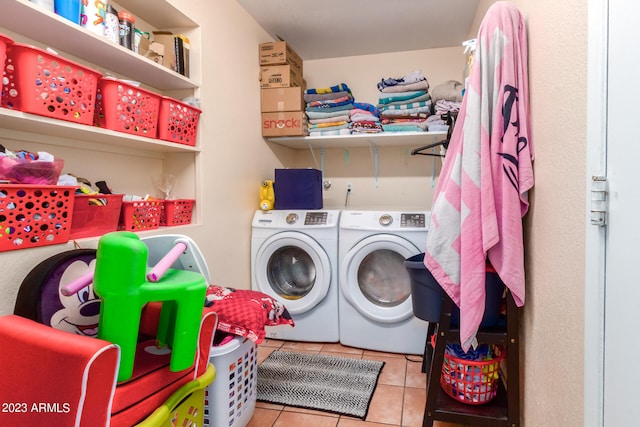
<point>315,218</point>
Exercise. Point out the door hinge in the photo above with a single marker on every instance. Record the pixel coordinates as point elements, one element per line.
<point>598,212</point>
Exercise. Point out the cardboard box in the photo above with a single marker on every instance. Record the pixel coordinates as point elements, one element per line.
<point>280,76</point>
<point>166,39</point>
<point>298,189</point>
<point>282,99</point>
<point>286,123</point>
<point>155,52</point>
<point>279,53</point>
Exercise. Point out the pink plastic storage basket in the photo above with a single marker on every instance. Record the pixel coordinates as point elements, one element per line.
<point>126,108</point>
<point>34,215</point>
<point>177,212</point>
<point>4,42</point>
<point>95,215</point>
<point>178,122</point>
<point>141,215</point>
<point>38,82</point>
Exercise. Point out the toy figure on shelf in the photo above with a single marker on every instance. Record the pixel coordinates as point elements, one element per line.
<point>267,195</point>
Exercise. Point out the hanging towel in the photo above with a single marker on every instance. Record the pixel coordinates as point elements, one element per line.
<point>482,193</point>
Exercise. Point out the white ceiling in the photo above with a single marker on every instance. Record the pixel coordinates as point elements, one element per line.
<point>319,29</point>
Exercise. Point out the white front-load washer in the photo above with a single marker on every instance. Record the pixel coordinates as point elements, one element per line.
<point>375,305</point>
<point>294,258</point>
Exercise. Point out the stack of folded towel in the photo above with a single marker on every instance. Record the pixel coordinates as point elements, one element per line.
<point>404,103</point>
<point>365,118</point>
<point>448,99</point>
<point>328,110</point>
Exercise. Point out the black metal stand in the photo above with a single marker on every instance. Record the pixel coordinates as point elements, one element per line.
<point>504,409</point>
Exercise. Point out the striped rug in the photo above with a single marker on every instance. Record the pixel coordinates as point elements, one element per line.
<point>315,381</point>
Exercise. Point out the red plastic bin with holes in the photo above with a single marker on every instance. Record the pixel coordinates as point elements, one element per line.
<point>177,212</point>
<point>4,42</point>
<point>35,215</point>
<point>140,215</point>
<point>42,83</point>
<point>95,214</point>
<point>178,122</point>
<point>124,107</point>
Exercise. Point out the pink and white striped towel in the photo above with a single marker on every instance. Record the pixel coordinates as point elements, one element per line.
<point>481,196</point>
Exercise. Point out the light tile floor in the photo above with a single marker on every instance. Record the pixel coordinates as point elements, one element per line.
<point>399,398</point>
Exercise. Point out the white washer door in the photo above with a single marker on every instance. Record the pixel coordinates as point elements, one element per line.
<point>293,268</point>
<point>374,279</point>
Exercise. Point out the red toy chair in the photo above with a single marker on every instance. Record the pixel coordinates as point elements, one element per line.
<point>55,378</point>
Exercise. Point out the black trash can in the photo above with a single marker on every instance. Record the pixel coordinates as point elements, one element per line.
<point>427,295</point>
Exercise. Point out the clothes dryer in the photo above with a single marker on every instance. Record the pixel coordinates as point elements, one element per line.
<point>294,258</point>
<point>374,302</point>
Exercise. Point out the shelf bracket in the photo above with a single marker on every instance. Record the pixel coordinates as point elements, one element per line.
<point>376,168</point>
<point>313,155</point>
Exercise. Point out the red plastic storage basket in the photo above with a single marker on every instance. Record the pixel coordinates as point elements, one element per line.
<point>38,82</point>
<point>471,382</point>
<point>127,108</point>
<point>178,122</point>
<point>177,212</point>
<point>95,214</point>
<point>4,42</point>
<point>140,215</point>
<point>35,215</point>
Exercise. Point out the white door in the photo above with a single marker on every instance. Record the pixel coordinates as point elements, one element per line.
<point>622,280</point>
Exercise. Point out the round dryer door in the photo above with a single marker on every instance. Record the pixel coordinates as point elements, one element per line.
<point>374,279</point>
<point>295,269</point>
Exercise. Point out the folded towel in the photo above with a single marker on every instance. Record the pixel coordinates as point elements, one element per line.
<point>331,89</point>
<point>386,98</point>
<point>421,85</point>
<point>330,132</point>
<point>341,118</point>
<point>425,97</point>
<point>343,107</point>
<point>308,97</point>
<point>331,102</point>
<point>325,113</point>
<point>450,90</point>
<point>413,77</point>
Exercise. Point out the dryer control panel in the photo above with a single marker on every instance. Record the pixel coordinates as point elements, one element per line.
<point>412,220</point>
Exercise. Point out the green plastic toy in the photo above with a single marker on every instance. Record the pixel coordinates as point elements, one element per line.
<point>120,281</point>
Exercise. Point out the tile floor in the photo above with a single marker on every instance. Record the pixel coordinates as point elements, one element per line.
<point>399,398</point>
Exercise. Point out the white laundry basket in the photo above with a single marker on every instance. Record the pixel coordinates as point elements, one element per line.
<point>231,398</point>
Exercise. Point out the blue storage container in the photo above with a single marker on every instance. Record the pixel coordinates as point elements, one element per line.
<point>427,295</point>
<point>298,189</point>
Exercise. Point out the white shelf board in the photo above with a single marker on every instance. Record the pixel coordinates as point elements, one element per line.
<point>29,127</point>
<point>30,20</point>
<point>383,139</point>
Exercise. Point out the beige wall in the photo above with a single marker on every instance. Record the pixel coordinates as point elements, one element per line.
<point>235,159</point>
<point>552,331</point>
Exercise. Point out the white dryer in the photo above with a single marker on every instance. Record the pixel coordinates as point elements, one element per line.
<point>294,258</point>
<point>375,305</point>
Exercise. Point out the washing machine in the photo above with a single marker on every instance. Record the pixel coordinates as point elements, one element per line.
<point>374,302</point>
<point>294,258</point>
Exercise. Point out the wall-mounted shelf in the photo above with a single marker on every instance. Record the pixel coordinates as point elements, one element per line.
<point>32,21</point>
<point>29,127</point>
<point>383,139</point>
<point>125,160</point>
